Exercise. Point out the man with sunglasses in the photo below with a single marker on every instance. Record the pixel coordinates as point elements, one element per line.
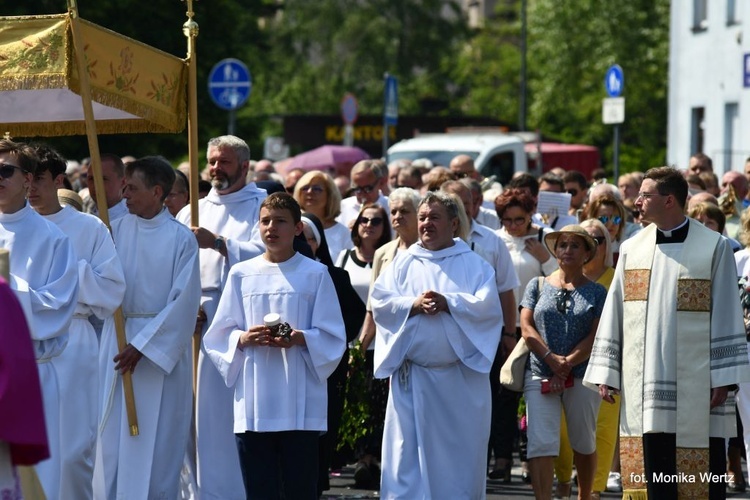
<point>671,340</point>
<point>44,275</point>
<point>101,290</point>
<point>227,218</point>
<point>368,179</point>
<point>578,188</point>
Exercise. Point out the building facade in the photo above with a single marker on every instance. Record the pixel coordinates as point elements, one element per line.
<point>709,83</point>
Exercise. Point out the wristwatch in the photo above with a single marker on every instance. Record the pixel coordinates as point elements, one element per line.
<point>219,244</point>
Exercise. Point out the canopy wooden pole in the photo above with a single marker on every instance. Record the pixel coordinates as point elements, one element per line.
<point>101,200</point>
<point>190,30</point>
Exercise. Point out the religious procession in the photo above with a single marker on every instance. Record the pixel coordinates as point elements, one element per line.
<point>254,329</point>
<point>448,321</point>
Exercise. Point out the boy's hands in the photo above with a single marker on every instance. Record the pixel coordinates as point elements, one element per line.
<point>260,335</point>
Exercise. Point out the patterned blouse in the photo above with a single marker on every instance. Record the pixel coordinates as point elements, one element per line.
<point>563,318</point>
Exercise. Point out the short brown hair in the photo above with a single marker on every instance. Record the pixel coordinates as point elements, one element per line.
<point>27,158</point>
<point>283,201</point>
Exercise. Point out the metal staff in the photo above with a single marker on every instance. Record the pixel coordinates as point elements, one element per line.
<point>190,30</point>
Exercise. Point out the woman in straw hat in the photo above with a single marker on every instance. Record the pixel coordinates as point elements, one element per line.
<point>559,317</point>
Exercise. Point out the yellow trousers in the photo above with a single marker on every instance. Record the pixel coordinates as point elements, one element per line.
<point>606,438</point>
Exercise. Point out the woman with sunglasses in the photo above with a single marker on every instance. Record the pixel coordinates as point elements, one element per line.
<point>316,192</point>
<point>559,317</point>
<point>611,212</point>
<point>371,230</point>
<point>600,270</point>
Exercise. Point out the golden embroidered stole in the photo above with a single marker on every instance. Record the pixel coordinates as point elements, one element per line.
<point>693,377</point>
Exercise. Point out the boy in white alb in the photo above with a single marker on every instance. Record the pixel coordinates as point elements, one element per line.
<point>280,404</point>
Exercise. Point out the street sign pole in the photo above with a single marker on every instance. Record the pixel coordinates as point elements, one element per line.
<point>390,109</point>
<point>349,114</point>
<point>613,110</point>
<point>616,159</point>
<point>231,122</point>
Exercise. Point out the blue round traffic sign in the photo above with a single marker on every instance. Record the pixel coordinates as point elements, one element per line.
<point>349,109</point>
<point>230,84</point>
<point>614,81</point>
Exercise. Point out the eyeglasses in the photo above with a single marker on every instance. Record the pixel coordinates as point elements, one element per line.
<point>600,240</point>
<point>572,192</point>
<point>615,219</point>
<point>515,221</point>
<point>374,221</point>
<point>647,195</point>
<point>562,300</point>
<point>461,175</point>
<point>312,187</point>
<point>7,170</point>
<point>365,189</point>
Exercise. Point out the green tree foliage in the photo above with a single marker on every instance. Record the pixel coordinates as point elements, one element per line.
<point>571,45</point>
<point>323,49</point>
<point>305,55</point>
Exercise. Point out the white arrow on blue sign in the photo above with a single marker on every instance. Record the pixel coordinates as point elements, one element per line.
<point>391,101</point>
<point>230,84</point>
<point>614,81</point>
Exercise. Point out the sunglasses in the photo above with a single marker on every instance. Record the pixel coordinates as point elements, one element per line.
<point>374,221</point>
<point>600,240</point>
<point>365,189</point>
<point>572,192</point>
<point>312,187</point>
<point>517,221</point>
<point>7,170</point>
<point>562,300</point>
<point>615,219</point>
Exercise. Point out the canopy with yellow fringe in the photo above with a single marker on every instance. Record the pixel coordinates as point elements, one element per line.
<point>134,87</point>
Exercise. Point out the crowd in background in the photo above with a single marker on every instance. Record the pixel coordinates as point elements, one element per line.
<point>553,268</point>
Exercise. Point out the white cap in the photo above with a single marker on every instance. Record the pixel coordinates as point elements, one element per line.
<point>271,319</point>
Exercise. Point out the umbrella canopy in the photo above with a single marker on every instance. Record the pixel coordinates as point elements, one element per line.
<point>135,88</point>
<point>329,157</point>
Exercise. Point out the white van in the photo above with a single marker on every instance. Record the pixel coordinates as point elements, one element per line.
<point>494,153</point>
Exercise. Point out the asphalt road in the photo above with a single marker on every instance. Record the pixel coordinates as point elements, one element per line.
<point>342,487</point>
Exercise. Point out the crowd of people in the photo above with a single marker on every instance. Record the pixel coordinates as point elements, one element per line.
<point>399,292</point>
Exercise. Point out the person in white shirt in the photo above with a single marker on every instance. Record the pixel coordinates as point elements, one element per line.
<point>101,290</point>
<point>227,216</point>
<point>160,259</point>
<point>113,175</point>
<point>280,404</point>
<point>368,179</point>
<point>437,313</point>
<point>43,273</point>
<point>316,192</point>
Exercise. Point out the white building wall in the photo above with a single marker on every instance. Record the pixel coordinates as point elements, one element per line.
<point>706,70</point>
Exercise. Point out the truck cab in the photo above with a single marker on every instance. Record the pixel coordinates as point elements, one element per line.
<point>494,153</point>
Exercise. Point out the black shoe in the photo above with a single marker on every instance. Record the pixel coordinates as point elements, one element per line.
<point>503,474</point>
<point>526,477</point>
<point>362,476</point>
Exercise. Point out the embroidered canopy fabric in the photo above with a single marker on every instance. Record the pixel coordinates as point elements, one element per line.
<point>135,88</point>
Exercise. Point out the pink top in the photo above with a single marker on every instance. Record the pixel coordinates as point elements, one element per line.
<point>21,411</point>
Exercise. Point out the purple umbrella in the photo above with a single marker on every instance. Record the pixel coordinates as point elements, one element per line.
<point>329,158</point>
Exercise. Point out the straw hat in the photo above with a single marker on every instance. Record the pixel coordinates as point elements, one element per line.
<point>68,197</point>
<point>550,239</point>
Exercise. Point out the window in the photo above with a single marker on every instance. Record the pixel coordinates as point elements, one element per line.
<point>731,125</point>
<point>697,132</point>
<point>502,166</point>
<point>700,15</point>
<point>733,12</point>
